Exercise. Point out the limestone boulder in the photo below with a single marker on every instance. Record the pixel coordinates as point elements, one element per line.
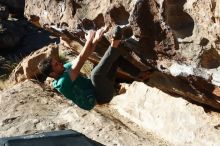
<point>178,121</point>
<point>28,108</point>
<point>27,68</point>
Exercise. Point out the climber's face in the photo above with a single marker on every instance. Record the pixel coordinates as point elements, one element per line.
<point>57,68</point>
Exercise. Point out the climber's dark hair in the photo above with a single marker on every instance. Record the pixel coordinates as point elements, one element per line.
<point>45,66</point>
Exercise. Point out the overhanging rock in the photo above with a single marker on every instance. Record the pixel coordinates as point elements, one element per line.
<point>168,36</point>
<point>151,39</point>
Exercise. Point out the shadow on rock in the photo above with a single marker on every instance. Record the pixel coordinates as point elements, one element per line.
<point>19,38</point>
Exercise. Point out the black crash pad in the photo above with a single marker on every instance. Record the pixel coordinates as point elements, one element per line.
<point>55,138</point>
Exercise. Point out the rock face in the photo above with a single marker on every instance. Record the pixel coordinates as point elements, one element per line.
<point>11,34</point>
<point>179,39</point>
<point>27,108</point>
<point>27,69</point>
<point>16,7</point>
<point>18,37</point>
<point>174,119</point>
<point>4,13</point>
<point>153,38</point>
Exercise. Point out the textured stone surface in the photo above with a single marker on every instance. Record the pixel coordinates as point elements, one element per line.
<point>153,38</point>
<point>174,119</point>
<point>28,108</point>
<point>196,89</point>
<point>180,39</point>
<point>27,68</point>
<point>155,43</point>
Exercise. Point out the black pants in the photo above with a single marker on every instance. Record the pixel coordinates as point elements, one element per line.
<point>103,75</point>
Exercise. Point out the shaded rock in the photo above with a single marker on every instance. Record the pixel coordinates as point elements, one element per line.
<point>10,35</point>
<point>19,38</point>
<point>210,59</point>
<point>178,121</point>
<point>16,7</point>
<point>196,89</point>
<point>27,68</point>
<point>35,38</point>
<point>173,11</point>
<point>119,15</point>
<point>4,13</point>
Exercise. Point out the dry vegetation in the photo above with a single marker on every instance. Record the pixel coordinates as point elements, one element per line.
<point>6,67</point>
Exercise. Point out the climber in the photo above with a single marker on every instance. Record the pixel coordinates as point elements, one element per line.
<point>82,91</point>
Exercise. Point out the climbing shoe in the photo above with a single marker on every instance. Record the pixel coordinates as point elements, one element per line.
<point>117,34</point>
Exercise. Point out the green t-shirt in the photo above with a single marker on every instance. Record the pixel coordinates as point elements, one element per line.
<point>80,91</point>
